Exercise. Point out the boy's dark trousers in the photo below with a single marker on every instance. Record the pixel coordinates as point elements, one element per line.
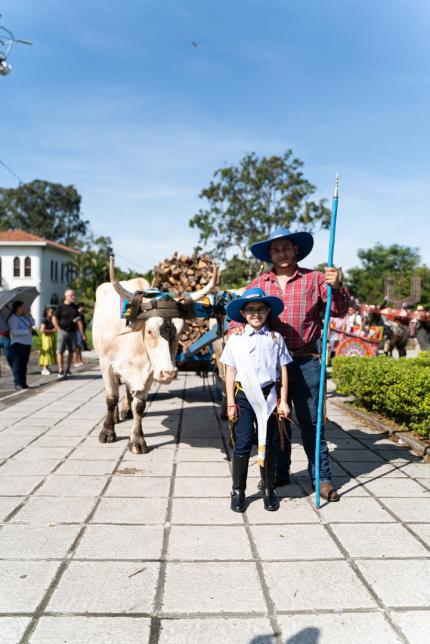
<point>244,437</point>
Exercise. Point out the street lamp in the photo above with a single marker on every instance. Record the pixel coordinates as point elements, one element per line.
<point>7,40</point>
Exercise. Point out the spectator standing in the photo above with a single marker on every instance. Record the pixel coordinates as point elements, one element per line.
<point>81,344</point>
<point>66,321</point>
<point>20,326</point>
<point>5,341</point>
<point>48,340</point>
<point>422,330</point>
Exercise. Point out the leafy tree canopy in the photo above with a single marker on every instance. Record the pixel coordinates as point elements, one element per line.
<point>400,262</point>
<point>246,202</point>
<point>42,208</point>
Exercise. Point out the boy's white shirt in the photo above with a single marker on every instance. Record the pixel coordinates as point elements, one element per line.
<point>247,376</point>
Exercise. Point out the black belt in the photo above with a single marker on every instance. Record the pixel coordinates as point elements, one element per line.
<point>308,350</point>
<point>266,389</point>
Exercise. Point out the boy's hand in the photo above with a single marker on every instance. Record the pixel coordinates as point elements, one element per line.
<point>284,409</point>
<point>232,412</point>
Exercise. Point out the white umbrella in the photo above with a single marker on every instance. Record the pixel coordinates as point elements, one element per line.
<point>26,294</point>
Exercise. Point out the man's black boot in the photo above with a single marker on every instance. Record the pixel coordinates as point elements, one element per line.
<point>240,472</point>
<point>271,501</point>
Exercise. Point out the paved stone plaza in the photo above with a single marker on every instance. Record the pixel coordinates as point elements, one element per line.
<point>99,545</point>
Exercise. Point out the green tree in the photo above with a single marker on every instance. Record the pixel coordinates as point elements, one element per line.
<point>246,202</point>
<point>401,262</point>
<point>50,210</point>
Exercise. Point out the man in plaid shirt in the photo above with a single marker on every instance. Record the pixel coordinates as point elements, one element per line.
<point>303,293</point>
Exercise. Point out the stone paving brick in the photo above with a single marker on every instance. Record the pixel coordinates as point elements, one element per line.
<point>396,488</point>
<point>102,452</point>
<point>289,542</point>
<point>212,511</point>
<point>417,511</point>
<point>232,631</point>
<point>208,542</point>
<point>18,485</point>
<point>292,510</point>
<point>23,584</point>
<point>94,630</point>
<point>347,628</point>
<point>134,486</point>
<point>140,511</point>
<point>414,624</point>
<point>33,453</point>
<point>7,504</point>
<point>378,540</point>
<point>187,453</point>
<point>395,581</point>
<point>49,510</point>
<point>422,530</point>
<point>106,587</point>
<point>212,587</point>
<point>121,542</point>
<point>12,629</point>
<point>65,486</point>
<point>316,584</point>
<point>202,487</point>
<point>86,468</point>
<point>36,542</point>
<point>355,510</point>
<point>20,468</point>
<point>418,470</point>
<point>203,469</point>
<point>145,468</point>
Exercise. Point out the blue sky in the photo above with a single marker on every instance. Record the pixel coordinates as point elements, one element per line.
<point>113,98</point>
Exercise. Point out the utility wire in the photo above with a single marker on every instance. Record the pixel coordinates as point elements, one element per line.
<point>11,172</point>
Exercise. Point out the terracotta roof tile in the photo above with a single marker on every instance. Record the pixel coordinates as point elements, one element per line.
<point>17,235</point>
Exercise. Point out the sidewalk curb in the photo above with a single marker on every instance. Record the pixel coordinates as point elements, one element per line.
<point>404,436</point>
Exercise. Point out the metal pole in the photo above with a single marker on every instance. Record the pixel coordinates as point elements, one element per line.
<point>324,346</point>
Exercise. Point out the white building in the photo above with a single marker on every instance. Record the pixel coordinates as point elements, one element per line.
<point>29,260</point>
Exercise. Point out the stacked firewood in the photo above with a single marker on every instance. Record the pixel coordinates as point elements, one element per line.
<point>180,274</point>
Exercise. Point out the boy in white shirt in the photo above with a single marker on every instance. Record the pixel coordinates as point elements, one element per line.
<point>255,360</point>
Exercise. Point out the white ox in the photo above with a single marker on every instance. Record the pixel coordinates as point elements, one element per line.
<point>136,355</point>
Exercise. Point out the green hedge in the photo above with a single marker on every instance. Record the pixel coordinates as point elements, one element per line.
<point>399,389</point>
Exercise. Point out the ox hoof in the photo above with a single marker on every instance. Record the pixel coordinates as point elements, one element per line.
<point>107,437</point>
<point>126,414</point>
<point>138,448</point>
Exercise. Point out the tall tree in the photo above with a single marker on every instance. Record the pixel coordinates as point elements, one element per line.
<point>379,262</point>
<point>246,202</point>
<point>47,209</point>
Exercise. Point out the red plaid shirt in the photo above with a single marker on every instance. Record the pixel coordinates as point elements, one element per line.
<point>303,298</point>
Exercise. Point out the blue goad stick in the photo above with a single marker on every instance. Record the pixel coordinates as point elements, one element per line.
<point>321,393</point>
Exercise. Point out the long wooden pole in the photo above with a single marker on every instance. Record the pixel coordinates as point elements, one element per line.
<point>321,394</point>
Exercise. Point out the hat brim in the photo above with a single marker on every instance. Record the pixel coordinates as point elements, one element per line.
<point>304,241</point>
<point>275,305</point>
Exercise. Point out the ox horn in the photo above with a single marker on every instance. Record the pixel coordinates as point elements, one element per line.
<point>207,289</point>
<point>127,295</point>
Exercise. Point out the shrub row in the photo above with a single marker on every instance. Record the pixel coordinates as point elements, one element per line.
<point>399,389</point>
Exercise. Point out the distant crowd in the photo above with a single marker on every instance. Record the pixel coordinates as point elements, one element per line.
<point>399,325</point>
<point>62,331</point>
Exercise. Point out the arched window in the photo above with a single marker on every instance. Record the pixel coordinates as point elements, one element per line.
<point>1,277</point>
<point>56,271</point>
<point>54,300</point>
<point>16,267</point>
<point>62,272</point>
<point>27,267</point>
<point>52,269</point>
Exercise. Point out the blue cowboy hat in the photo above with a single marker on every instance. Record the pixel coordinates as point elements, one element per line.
<point>275,304</point>
<point>304,241</point>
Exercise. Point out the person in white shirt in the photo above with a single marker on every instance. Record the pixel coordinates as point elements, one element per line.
<point>256,361</point>
<point>20,326</point>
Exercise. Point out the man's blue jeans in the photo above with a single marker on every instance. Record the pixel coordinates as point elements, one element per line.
<point>303,388</point>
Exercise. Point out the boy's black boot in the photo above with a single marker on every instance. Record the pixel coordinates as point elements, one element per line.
<point>240,472</point>
<point>271,501</point>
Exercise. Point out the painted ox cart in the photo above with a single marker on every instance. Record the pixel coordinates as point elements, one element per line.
<point>357,341</point>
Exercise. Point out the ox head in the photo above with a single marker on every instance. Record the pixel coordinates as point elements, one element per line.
<point>161,321</point>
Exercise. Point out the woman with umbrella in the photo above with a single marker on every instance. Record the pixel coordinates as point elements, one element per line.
<point>20,326</point>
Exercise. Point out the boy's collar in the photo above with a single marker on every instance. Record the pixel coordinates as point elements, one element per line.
<point>249,330</point>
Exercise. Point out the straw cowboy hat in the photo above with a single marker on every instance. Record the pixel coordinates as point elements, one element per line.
<point>304,241</point>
